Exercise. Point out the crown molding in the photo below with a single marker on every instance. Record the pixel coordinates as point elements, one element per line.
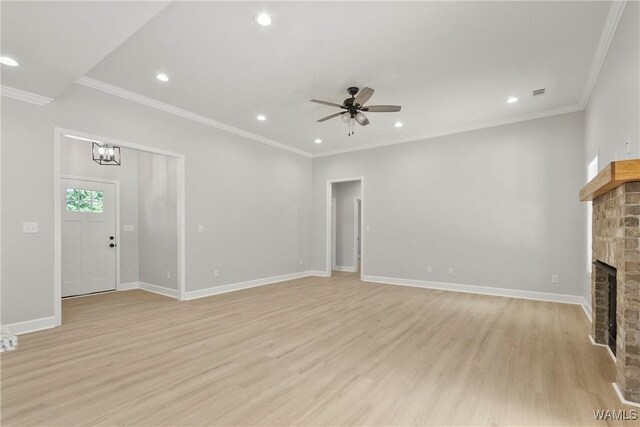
<point>521,118</point>
<point>21,95</point>
<point>610,26</point>
<point>185,114</point>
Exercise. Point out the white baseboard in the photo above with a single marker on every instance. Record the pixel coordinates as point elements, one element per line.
<point>345,268</point>
<point>613,356</point>
<point>318,273</point>
<point>621,397</point>
<point>128,286</point>
<point>474,289</point>
<point>173,293</point>
<point>34,325</point>
<point>587,308</point>
<point>215,290</point>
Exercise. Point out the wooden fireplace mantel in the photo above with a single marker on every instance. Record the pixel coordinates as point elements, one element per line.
<point>612,176</point>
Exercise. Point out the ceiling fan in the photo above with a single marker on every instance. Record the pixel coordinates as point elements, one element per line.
<point>354,107</point>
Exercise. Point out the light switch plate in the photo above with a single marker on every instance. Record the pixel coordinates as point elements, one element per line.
<point>200,228</point>
<point>30,227</point>
<point>128,227</point>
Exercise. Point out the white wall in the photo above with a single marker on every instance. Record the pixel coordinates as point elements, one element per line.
<point>76,160</point>
<point>234,187</point>
<point>613,112</point>
<point>500,205</point>
<point>158,202</point>
<point>345,194</point>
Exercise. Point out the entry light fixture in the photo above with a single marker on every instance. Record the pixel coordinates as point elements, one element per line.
<point>397,124</point>
<point>105,154</point>
<point>261,117</point>
<point>162,77</point>
<point>512,100</point>
<point>318,141</point>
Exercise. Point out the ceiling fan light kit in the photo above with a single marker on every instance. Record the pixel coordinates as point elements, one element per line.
<point>354,108</point>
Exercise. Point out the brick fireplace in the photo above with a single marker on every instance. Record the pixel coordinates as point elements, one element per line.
<point>616,271</point>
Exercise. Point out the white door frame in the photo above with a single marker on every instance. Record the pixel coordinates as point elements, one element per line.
<point>328,241</point>
<point>117,241</point>
<point>334,232</point>
<point>356,220</point>
<point>58,133</point>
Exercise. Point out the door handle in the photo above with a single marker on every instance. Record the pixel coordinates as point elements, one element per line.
<point>112,245</point>
<point>111,237</point>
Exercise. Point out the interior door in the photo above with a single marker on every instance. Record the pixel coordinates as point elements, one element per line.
<point>88,237</point>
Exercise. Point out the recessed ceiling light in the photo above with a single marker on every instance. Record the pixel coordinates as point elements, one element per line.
<point>318,141</point>
<point>162,77</point>
<point>398,124</point>
<point>261,118</point>
<point>263,19</point>
<point>8,61</point>
<point>512,100</point>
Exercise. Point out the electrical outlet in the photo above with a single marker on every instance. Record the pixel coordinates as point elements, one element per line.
<point>450,270</point>
<point>300,262</point>
<point>554,278</point>
<point>168,274</point>
<point>627,144</point>
<point>216,273</point>
<point>429,269</point>
<point>29,227</point>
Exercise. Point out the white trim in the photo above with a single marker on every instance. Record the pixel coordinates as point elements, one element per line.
<point>25,96</point>
<point>215,290</point>
<point>356,221</point>
<point>613,356</point>
<point>161,290</point>
<point>128,286</point>
<point>171,109</point>
<point>57,179</point>
<point>522,118</point>
<point>621,397</point>
<point>318,273</point>
<point>328,215</point>
<point>345,268</point>
<point>615,13</point>
<point>586,306</point>
<point>474,289</point>
<point>116,183</point>
<point>29,326</point>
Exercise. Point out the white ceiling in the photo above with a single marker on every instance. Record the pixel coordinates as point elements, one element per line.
<point>57,42</point>
<point>451,65</point>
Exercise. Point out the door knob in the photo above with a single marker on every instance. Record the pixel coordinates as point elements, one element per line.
<point>112,245</point>
<point>111,237</point>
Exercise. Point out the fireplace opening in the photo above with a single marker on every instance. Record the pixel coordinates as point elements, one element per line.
<point>612,305</point>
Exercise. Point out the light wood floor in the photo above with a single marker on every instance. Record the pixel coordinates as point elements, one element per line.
<point>313,351</point>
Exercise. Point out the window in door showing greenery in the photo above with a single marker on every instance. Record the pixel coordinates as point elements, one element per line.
<point>84,200</point>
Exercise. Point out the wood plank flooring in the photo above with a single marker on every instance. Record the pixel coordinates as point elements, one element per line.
<point>314,351</point>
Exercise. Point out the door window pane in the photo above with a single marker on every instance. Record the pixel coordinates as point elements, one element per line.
<point>80,200</point>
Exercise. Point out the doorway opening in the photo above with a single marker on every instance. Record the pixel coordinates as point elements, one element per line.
<point>344,226</point>
<point>117,227</point>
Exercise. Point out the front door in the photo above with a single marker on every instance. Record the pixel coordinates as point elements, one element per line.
<point>88,237</point>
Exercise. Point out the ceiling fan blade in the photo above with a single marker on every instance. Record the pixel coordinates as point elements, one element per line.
<point>362,119</point>
<point>332,104</point>
<point>363,95</point>
<point>331,116</point>
<point>382,108</point>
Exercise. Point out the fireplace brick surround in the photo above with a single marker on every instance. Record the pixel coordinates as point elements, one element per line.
<point>616,242</point>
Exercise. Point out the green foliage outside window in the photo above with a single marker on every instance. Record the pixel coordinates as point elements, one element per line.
<point>84,200</point>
